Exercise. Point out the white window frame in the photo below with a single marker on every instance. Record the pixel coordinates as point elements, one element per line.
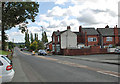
<point>58,48</point>
<point>53,39</point>
<point>109,39</point>
<point>91,39</point>
<point>58,38</point>
<point>53,47</point>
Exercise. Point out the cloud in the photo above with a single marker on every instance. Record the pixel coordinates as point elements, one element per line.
<point>17,36</point>
<point>61,2</point>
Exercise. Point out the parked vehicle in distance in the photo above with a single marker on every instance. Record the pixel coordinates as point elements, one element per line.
<point>21,49</point>
<point>6,68</point>
<point>117,50</point>
<point>42,52</point>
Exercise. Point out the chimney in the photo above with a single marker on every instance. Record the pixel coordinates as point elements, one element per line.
<point>80,28</point>
<point>116,35</point>
<point>58,31</point>
<point>107,26</point>
<point>68,28</point>
<point>86,39</point>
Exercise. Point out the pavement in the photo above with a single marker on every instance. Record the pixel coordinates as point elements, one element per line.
<point>19,73</point>
<point>102,58</point>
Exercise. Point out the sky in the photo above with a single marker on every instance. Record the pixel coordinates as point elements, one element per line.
<point>58,14</point>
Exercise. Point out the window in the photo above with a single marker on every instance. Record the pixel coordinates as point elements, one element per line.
<point>53,39</point>
<point>58,38</point>
<point>1,63</point>
<point>5,58</point>
<point>58,47</point>
<point>53,47</point>
<point>90,39</point>
<point>109,39</point>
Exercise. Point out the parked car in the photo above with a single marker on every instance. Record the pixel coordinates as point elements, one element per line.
<point>6,69</point>
<point>42,52</point>
<point>117,50</point>
<point>21,49</point>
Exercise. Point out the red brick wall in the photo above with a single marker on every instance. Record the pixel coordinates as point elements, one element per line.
<point>80,39</point>
<point>56,42</point>
<point>50,46</point>
<point>108,42</point>
<point>85,51</point>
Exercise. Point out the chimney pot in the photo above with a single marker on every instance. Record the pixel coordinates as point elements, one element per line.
<point>80,28</point>
<point>57,30</point>
<point>107,26</point>
<point>68,28</point>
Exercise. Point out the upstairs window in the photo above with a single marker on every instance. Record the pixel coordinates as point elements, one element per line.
<point>53,39</point>
<point>58,38</point>
<point>109,39</point>
<point>90,39</point>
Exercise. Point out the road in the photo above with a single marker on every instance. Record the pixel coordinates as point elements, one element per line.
<point>60,69</point>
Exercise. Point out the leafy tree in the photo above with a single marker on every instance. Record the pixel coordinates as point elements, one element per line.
<point>44,37</point>
<point>41,45</point>
<point>15,13</point>
<point>11,45</point>
<point>31,38</point>
<point>27,42</point>
<point>34,46</point>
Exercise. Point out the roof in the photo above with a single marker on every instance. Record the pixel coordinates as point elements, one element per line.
<point>107,31</point>
<point>77,33</point>
<point>90,31</point>
<point>60,32</point>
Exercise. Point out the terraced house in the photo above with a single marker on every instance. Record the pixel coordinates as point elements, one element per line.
<point>109,36</point>
<point>67,39</point>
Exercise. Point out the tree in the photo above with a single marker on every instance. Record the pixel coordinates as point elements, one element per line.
<point>15,13</point>
<point>11,45</point>
<point>31,38</point>
<point>41,45</point>
<point>27,42</point>
<point>34,46</point>
<point>44,37</point>
<point>36,37</point>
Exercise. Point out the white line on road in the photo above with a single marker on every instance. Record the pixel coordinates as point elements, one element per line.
<point>112,73</point>
<point>108,73</point>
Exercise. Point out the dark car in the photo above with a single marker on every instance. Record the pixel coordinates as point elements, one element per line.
<point>117,50</point>
<point>42,52</point>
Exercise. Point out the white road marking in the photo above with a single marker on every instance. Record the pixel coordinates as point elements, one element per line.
<point>108,73</point>
<point>112,73</point>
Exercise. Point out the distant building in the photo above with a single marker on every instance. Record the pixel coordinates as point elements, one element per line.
<point>74,40</point>
<point>49,46</point>
<point>109,36</point>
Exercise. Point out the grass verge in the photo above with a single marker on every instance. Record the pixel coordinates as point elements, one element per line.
<point>6,53</point>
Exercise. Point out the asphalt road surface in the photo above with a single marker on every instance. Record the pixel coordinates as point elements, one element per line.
<point>60,69</point>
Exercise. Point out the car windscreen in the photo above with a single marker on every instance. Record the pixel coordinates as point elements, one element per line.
<point>1,63</point>
<point>6,59</point>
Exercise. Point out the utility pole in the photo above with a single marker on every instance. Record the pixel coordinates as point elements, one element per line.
<point>42,29</point>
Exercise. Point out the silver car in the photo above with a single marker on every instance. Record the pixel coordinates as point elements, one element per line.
<point>6,70</point>
<point>117,50</point>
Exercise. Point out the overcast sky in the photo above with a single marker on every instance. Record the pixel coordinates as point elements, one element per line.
<point>58,14</point>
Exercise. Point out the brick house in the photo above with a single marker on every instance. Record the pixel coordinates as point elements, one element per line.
<point>73,40</point>
<point>62,40</point>
<point>87,36</point>
<point>49,46</point>
<point>109,36</point>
